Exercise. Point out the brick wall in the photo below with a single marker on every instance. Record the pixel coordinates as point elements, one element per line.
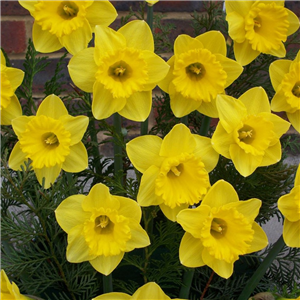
<point>16,27</point>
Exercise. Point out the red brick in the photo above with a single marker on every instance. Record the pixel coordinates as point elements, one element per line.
<point>13,36</point>
<point>12,8</point>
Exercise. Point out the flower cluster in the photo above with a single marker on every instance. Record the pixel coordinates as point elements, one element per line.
<point>173,172</point>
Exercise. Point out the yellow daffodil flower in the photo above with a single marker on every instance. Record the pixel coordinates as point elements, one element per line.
<point>150,290</point>
<point>175,169</point>
<point>285,78</point>
<point>289,205</point>
<point>101,228</point>
<point>151,2</point>
<point>9,290</point>
<point>121,71</point>
<point>68,24</point>
<point>199,70</point>
<point>11,79</point>
<point>220,230</point>
<point>248,133</point>
<point>259,27</point>
<point>51,141</point>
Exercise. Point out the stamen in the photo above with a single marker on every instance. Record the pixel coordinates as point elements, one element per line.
<point>175,171</point>
<point>244,134</point>
<point>257,24</point>
<point>296,89</point>
<point>69,11</point>
<point>195,69</point>
<point>215,226</point>
<point>119,71</point>
<point>52,139</point>
<point>102,221</point>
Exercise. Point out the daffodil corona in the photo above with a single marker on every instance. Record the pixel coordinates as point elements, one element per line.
<point>199,70</point>
<point>220,230</point>
<point>9,290</point>
<point>67,23</point>
<point>285,78</point>
<point>248,133</point>
<point>121,71</point>
<point>289,205</point>
<point>101,228</point>
<point>259,27</point>
<point>175,169</point>
<point>50,141</point>
<point>11,79</point>
<point>150,290</point>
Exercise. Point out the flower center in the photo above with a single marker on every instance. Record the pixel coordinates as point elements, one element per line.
<point>218,228</point>
<point>246,134</point>
<point>257,24</point>
<point>175,170</point>
<point>51,139</point>
<point>67,10</point>
<point>195,71</point>
<point>120,71</point>
<point>103,225</point>
<point>296,89</point>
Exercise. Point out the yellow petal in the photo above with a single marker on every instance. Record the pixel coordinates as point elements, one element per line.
<point>297,178</point>
<point>135,32</point>
<point>221,140</point>
<point>214,41</point>
<point>96,16</point>
<point>104,105</point>
<point>77,160</point>
<point>146,195</point>
<point>182,106</point>
<point>76,126</point>
<point>82,69</point>
<point>256,101</point>
<point>272,155</point>
<point>139,238</point>
<point>294,118</point>
<point>219,194</point>
<point>221,267</point>
<point>241,7</point>
<point>137,107</point>
<point>165,83</point>
<point>113,295</point>
<point>17,158</point>
<point>77,250</point>
<point>281,52</point>
<point>277,71</point>
<point>150,290</point>
<point>260,239</point>
<point>43,40</point>
<point>231,67</point>
<point>99,196</point>
<point>190,251</point>
<point>231,112</point>
<point>184,43</point>
<point>69,213</point>
<point>129,208</point>
<point>29,5</point>
<point>236,26</point>
<point>105,265</point>
<point>192,220</point>
<point>12,111</point>
<point>209,109</point>
<point>279,102</point>
<point>49,173</point>
<point>243,52</point>
<point>157,68</point>
<point>178,140</point>
<point>143,152</point>
<point>289,205</point>
<point>291,233</point>
<point>206,152</point>
<point>245,163</point>
<point>53,107</point>
<point>107,41</point>
<point>15,77</point>
<point>171,213</point>
<point>78,39</point>
<point>293,22</point>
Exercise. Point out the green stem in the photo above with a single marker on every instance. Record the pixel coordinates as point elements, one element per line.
<point>118,161</point>
<point>186,283</point>
<point>261,270</point>
<point>205,126</point>
<point>185,120</point>
<point>107,283</point>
